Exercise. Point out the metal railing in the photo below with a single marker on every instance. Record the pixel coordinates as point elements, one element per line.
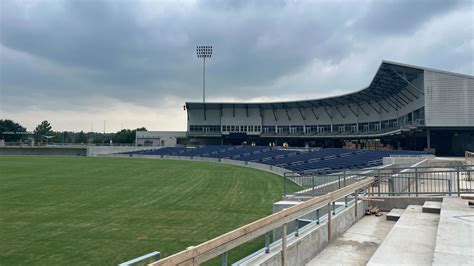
<point>153,256</point>
<point>333,189</point>
<point>409,181</point>
<point>221,245</point>
<point>469,156</point>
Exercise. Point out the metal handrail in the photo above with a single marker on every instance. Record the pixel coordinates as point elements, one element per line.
<point>228,241</point>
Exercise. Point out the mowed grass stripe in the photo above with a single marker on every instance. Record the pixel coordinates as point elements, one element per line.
<point>103,211</point>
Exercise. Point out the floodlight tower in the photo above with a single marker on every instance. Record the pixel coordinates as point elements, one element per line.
<point>204,52</point>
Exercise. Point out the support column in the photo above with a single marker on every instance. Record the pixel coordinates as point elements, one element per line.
<point>428,139</point>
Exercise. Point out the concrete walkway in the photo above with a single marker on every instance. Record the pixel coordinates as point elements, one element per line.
<point>455,236</point>
<point>411,241</point>
<point>357,244</point>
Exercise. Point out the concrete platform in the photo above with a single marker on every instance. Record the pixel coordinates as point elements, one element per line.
<point>432,207</point>
<point>357,244</point>
<point>394,215</point>
<point>455,235</point>
<point>411,241</point>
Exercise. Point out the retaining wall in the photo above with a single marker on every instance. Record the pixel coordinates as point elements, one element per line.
<point>263,167</point>
<point>94,151</point>
<point>310,241</point>
<point>50,151</point>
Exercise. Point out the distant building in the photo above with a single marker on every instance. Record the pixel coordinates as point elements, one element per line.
<point>160,138</point>
<point>404,107</point>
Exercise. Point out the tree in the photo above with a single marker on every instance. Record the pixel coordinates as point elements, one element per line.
<point>9,130</point>
<point>43,129</point>
<point>126,135</point>
<point>123,136</point>
<point>81,137</point>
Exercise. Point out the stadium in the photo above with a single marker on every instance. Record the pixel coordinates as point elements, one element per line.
<point>356,179</point>
<point>307,148</point>
<point>404,107</point>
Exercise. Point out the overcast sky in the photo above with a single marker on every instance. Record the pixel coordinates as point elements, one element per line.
<point>133,63</point>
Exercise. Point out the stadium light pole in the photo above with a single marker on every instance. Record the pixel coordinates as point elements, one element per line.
<point>204,52</point>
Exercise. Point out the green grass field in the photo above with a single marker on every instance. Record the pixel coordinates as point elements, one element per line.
<point>103,211</point>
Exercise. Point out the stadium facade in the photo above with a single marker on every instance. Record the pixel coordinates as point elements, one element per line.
<point>404,107</point>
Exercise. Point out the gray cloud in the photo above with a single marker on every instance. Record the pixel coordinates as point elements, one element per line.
<point>67,53</point>
<point>404,16</point>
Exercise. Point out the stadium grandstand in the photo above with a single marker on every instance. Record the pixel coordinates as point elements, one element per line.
<point>298,160</point>
<point>405,107</point>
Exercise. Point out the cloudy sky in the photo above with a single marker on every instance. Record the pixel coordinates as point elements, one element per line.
<point>133,63</point>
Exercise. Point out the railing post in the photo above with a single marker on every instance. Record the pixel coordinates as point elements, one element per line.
<point>379,180</point>
<point>267,243</point>
<point>416,181</point>
<point>317,216</point>
<point>339,180</point>
<point>284,255</point>
<point>297,230</point>
<point>334,208</point>
<point>458,181</point>
<point>356,199</point>
<point>284,185</point>
<point>345,201</point>
<point>224,259</point>
<point>409,185</point>
<point>313,185</point>
<point>449,187</point>
<point>344,173</point>
<point>329,221</point>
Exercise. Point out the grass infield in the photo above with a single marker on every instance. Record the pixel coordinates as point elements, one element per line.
<point>103,211</point>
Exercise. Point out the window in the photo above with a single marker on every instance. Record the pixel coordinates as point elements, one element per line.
<point>283,129</point>
<point>311,129</point>
<point>268,129</point>
<point>339,128</point>
<point>296,129</point>
<point>324,128</point>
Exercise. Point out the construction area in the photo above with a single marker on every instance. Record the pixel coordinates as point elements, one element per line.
<point>415,211</point>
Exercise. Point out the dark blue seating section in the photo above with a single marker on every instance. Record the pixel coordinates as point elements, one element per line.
<point>291,159</point>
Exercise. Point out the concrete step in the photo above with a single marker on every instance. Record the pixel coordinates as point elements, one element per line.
<point>455,235</point>
<point>432,207</point>
<point>394,214</point>
<point>411,240</point>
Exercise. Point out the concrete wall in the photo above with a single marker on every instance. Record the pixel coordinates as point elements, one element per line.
<point>402,160</point>
<point>402,202</point>
<point>159,138</point>
<point>53,151</point>
<point>263,167</point>
<point>94,151</point>
<point>310,242</point>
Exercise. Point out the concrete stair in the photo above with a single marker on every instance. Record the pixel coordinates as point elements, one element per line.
<point>455,235</point>
<point>437,233</point>
<point>411,240</point>
<point>432,207</point>
<point>394,215</point>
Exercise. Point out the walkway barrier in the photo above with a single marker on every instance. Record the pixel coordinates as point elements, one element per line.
<point>155,255</point>
<point>470,161</point>
<point>221,245</point>
<point>407,181</point>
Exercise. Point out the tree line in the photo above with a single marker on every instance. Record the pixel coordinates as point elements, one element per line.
<point>10,131</point>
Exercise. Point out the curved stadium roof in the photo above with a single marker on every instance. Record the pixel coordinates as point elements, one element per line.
<point>390,78</point>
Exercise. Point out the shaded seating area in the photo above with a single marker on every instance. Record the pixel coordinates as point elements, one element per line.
<point>291,159</point>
